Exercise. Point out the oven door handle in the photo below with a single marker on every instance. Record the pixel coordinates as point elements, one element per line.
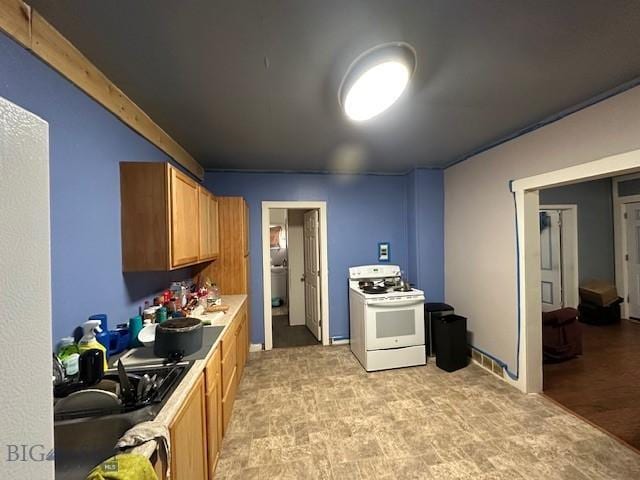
<point>400,303</point>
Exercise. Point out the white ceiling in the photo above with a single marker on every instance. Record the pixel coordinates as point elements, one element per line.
<point>253,84</point>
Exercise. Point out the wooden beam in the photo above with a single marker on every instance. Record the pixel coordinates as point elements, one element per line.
<point>15,20</point>
<point>29,28</point>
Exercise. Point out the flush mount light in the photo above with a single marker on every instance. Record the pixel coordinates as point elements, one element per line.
<point>376,79</point>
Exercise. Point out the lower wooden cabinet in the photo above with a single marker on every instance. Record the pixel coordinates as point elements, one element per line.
<point>188,437</point>
<point>198,429</point>
<point>242,342</point>
<point>229,366</point>
<point>235,351</point>
<point>213,404</point>
<point>227,401</point>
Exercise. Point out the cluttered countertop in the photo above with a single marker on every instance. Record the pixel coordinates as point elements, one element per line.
<point>172,406</point>
<point>145,379</point>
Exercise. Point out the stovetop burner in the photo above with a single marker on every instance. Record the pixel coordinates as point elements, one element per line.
<point>375,289</point>
<point>405,288</point>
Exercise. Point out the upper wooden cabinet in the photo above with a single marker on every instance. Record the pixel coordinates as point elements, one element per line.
<point>214,222</point>
<point>169,221</point>
<point>209,235</point>
<point>185,219</point>
<point>231,270</point>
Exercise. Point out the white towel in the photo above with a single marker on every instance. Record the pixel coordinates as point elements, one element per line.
<point>144,432</point>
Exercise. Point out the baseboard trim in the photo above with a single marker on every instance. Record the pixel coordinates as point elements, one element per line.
<point>340,341</point>
<point>256,347</point>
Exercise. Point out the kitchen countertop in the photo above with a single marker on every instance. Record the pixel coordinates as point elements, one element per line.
<point>177,398</point>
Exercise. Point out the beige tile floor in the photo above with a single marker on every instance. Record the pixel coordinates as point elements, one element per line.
<point>313,412</point>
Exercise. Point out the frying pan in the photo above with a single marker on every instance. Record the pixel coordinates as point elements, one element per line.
<point>375,289</point>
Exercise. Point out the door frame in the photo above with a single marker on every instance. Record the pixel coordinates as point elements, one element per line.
<point>321,206</point>
<point>620,238</point>
<point>527,205</point>
<point>569,246</point>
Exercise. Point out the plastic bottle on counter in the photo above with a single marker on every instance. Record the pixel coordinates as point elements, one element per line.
<point>68,354</point>
<point>150,313</point>
<point>215,292</point>
<point>161,315</point>
<point>213,296</point>
<point>103,336</point>
<point>88,340</point>
<point>135,325</point>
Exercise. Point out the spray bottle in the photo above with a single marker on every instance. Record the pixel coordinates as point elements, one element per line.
<point>88,340</point>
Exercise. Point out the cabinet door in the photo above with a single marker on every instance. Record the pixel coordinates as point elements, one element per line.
<point>185,235</point>
<point>204,205</point>
<point>239,353</point>
<point>227,403</point>
<point>241,345</point>
<point>144,205</point>
<point>214,425</point>
<point>188,437</point>
<point>214,227</point>
<point>246,334</point>
<point>229,364</point>
<point>242,276</point>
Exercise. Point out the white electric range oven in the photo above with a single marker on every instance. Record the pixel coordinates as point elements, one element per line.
<point>387,325</point>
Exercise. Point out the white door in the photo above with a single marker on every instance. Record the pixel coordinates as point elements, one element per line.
<point>551,259</point>
<point>312,273</point>
<point>632,223</point>
<point>295,255</point>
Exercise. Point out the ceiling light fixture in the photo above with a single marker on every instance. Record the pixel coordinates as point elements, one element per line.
<point>376,79</point>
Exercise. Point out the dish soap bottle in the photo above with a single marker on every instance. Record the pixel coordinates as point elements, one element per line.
<point>88,340</point>
<point>68,354</point>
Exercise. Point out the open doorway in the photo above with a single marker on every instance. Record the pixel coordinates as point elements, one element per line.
<point>590,350</point>
<point>295,297</point>
<point>295,274</point>
<point>626,221</point>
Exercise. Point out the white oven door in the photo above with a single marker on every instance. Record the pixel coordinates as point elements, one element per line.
<point>394,323</point>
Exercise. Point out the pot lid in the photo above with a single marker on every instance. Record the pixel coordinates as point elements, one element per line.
<point>179,325</point>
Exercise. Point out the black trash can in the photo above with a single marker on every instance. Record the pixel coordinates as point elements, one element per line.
<point>433,311</point>
<point>451,347</point>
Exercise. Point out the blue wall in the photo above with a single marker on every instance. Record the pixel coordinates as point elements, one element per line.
<point>362,210</point>
<point>427,231</point>
<point>412,231</point>
<point>86,145</point>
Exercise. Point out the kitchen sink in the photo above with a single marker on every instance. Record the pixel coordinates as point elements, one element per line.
<point>84,439</point>
<point>82,443</point>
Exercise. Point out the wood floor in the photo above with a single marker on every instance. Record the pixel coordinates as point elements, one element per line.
<point>286,336</point>
<point>603,385</point>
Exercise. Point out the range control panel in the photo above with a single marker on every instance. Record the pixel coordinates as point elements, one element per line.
<point>374,271</point>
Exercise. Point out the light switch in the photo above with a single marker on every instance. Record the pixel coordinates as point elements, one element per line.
<point>383,252</point>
